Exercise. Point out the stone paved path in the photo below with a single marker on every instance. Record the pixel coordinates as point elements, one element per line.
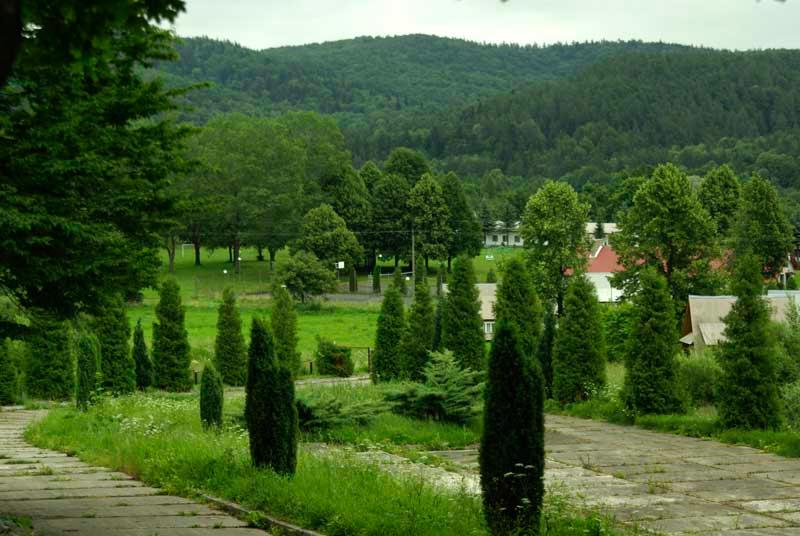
<point>65,496</point>
<point>668,483</point>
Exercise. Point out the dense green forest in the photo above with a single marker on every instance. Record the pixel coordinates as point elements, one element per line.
<point>383,91</point>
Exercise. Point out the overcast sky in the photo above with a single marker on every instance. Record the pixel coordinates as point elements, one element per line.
<point>737,24</point>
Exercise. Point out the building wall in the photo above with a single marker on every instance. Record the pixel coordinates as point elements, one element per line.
<point>498,238</point>
<point>602,284</point>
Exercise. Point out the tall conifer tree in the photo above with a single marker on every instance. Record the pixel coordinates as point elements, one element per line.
<point>387,362</point>
<point>284,328</point>
<point>462,325</point>
<point>110,325</point>
<point>417,340</point>
<point>144,365</point>
<point>546,343</point>
<point>88,349</point>
<point>50,367</point>
<point>170,341</point>
<point>229,351</point>
<point>8,376</point>
<point>518,303</point>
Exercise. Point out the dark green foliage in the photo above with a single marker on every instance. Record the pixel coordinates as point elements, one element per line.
<point>512,445</point>
<point>141,358</point>
<point>229,350</point>
<point>617,319</point>
<point>436,344</point>
<point>376,279</point>
<point>465,229</point>
<point>8,376</point>
<point>284,328</point>
<point>407,163</point>
<point>578,356</point>
<point>517,302</point>
<point>417,339</point>
<point>306,277</point>
<point>333,359</point>
<point>117,366</point>
<point>212,398</point>
<point>88,350</point>
<point>650,383</point>
<point>462,326</point>
<point>270,410</point>
<point>441,278</point>
<point>447,392</point>
<point>170,341</point>
<point>545,350</point>
<point>719,195</point>
<point>319,410</point>
<point>387,361</point>
<point>399,281</point>
<point>698,376</point>
<point>353,283</point>
<point>490,277</point>
<point>50,369</point>
<point>748,396</point>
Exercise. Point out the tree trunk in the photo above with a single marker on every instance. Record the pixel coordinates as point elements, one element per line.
<point>230,253</point>
<point>260,257</point>
<point>449,262</point>
<point>396,260</point>
<point>171,247</point>
<point>272,253</point>
<point>196,252</point>
<point>237,249</point>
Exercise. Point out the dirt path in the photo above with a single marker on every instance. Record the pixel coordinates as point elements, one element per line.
<point>64,496</point>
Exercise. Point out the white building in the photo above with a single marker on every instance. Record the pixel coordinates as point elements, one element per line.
<point>504,235</point>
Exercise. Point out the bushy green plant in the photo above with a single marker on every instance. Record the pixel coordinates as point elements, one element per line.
<point>50,366</point>
<point>790,395</point>
<point>8,376</point>
<point>334,360</point>
<point>748,395</point>
<point>578,354</point>
<point>787,359</point>
<point>448,393</point>
<point>617,321</point>
<point>399,281</point>
<point>318,411</point>
<point>212,398</point>
<point>650,384</point>
<point>698,377</point>
<point>512,445</point>
<point>387,362</point>
<point>170,341</point>
<point>270,409</point>
<point>491,277</point>
<point>462,325</point>
<point>141,358</point>
<point>229,350</point>
<point>436,343</point>
<point>88,350</point>
<point>417,339</point>
<point>110,325</point>
<point>284,329</point>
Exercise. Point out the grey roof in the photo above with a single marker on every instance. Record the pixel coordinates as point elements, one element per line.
<point>487,293</point>
<point>708,314</point>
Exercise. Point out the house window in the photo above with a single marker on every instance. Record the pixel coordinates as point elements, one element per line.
<point>505,239</point>
<point>488,327</point>
<point>516,239</point>
<point>494,238</point>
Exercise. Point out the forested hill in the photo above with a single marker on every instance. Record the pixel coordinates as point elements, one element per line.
<point>696,107</point>
<point>382,90</point>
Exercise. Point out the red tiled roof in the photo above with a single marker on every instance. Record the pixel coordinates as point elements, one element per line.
<point>606,261</point>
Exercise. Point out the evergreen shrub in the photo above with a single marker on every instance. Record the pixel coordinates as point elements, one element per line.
<point>333,360</point>
<point>212,397</point>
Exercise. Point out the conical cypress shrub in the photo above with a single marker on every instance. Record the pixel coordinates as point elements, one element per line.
<point>387,362</point>
<point>212,398</point>
<point>50,369</point>
<point>229,351</point>
<point>144,366</point>
<point>284,327</point>
<point>270,409</point>
<point>578,355</point>
<point>353,280</point>
<point>399,281</point>
<point>748,397</point>
<point>376,279</point>
<point>436,344</point>
<point>117,367</point>
<point>88,349</point>
<point>8,376</point>
<point>417,339</point>
<point>650,384</point>
<point>462,325</point>
<point>545,351</point>
<point>517,302</point>
<point>512,445</point>
<point>170,341</point>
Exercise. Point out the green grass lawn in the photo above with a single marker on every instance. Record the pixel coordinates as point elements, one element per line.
<point>158,438</point>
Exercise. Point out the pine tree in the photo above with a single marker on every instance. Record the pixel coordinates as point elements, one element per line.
<point>270,409</point>
<point>353,280</point>
<point>144,366</point>
<point>578,357</point>
<point>748,396</point>
<point>229,350</point>
<point>462,326</point>
<point>399,281</point>
<point>518,303</point>
<point>417,339</point>
<point>8,376</point>
<point>284,327</point>
<point>387,362</point>
<point>650,385</point>
<point>170,341</point>
<point>376,279</point>
<point>436,344</point>
<point>212,398</point>
<point>512,445</point>
<point>117,367</point>
<point>50,369</point>
<point>545,351</point>
<point>88,349</point>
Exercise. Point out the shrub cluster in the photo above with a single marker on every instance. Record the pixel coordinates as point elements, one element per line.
<point>698,377</point>
<point>317,411</point>
<point>333,359</point>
